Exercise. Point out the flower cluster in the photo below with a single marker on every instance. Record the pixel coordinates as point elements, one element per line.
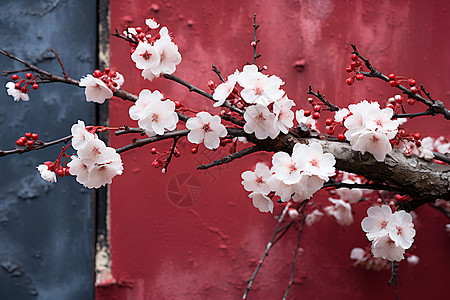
<point>391,233</point>
<point>268,109</point>
<point>101,85</point>
<point>17,88</point>
<point>95,164</point>
<point>154,115</point>
<point>154,55</point>
<point>369,128</point>
<point>297,176</point>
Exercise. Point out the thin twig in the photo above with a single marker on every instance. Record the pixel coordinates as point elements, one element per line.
<point>435,106</point>
<point>393,278</point>
<point>120,36</point>
<point>266,252</point>
<point>255,40</point>
<point>172,151</point>
<point>294,256</point>
<point>41,146</point>
<point>195,89</point>
<point>66,76</point>
<point>217,71</point>
<point>230,157</point>
<point>322,98</point>
<point>142,142</point>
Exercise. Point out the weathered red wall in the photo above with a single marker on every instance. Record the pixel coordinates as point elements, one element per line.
<point>209,250</point>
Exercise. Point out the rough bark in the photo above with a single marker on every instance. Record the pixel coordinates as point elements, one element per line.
<point>424,181</point>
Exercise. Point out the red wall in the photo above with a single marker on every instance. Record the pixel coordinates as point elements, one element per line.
<point>208,251</point>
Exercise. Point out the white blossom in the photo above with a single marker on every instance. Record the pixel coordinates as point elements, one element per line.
<point>96,90</point>
<point>17,94</point>
<point>341,211</point>
<point>370,129</point>
<point>313,161</point>
<point>224,89</point>
<point>261,202</point>
<point>401,229</point>
<point>340,114</point>
<point>284,116</point>
<point>157,116</point>
<point>313,217</point>
<point>151,23</point>
<point>46,174</point>
<point>145,56</point>
<point>80,136</point>
<point>375,225</point>
<point>350,195</point>
<point>386,248</point>
<point>413,260</point>
<point>206,129</point>
<point>308,121</point>
<point>257,181</point>
<point>136,111</point>
<point>261,121</point>
<point>259,88</point>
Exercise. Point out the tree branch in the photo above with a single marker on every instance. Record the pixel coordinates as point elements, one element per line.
<point>230,157</point>
<point>266,252</point>
<point>41,146</point>
<point>435,106</point>
<point>322,98</point>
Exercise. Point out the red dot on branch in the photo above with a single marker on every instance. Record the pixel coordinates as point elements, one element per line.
<point>28,75</point>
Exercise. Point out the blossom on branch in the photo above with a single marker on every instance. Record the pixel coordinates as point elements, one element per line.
<point>261,202</point>
<point>224,89</point>
<point>46,174</point>
<point>391,233</point>
<point>370,129</point>
<point>206,129</point>
<point>261,122</point>
<point>257,181</point>
<point>17,93</point>
<point>154,115</point>
<point>259,88</point>
<point>341,211</point>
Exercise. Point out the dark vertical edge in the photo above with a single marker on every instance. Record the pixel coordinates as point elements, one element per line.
<point>102,118</point>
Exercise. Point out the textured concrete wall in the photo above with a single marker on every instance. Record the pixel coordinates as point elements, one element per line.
<point>208,248</point>
<point>46,230</point>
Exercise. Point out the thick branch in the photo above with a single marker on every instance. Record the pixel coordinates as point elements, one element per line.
<point>424,181</point>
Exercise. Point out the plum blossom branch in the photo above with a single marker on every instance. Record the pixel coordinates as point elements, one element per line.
<point>435,106</point>
<point>217,71</point>
<point>42,73</point>
<point>126,129</point>
<point>36,147</point>
<point>322,98</point>
<point>230,157</point>
<point>393,278</point>
<point>266,252</point>
<point>137,143</point>
<point>171,154</point>
<point>195,89</point>
<point>255,40</point>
